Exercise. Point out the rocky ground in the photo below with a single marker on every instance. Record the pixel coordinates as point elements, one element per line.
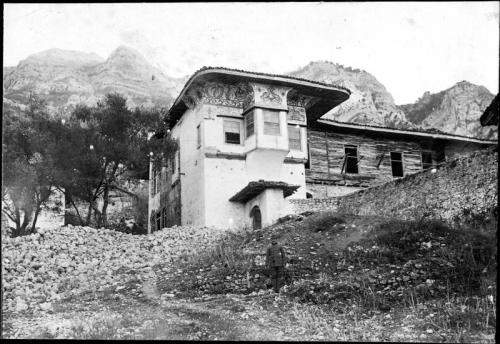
<point>85,283</point>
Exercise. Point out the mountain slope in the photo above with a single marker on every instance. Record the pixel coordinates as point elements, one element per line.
<point>66,78</point>
<point>456,110</point>
<point>369,103</point>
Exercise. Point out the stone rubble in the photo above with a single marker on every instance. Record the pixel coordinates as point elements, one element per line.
<point>63,262</point>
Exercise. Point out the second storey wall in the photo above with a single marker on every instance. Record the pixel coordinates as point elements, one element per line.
<point>327,155</point>
<point>191,168</point>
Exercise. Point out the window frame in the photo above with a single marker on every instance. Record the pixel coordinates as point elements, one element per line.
<point>347,157</point>
<point>164,217</point>
<point>299,140</point>
<point>400,161</point>
<point>198,136</point>
<point>158,220</point>
<point>249,124</point>
<point>267,123</point>
<point>238,122</point>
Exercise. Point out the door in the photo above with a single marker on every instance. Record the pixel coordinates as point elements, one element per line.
<point>256,217</point>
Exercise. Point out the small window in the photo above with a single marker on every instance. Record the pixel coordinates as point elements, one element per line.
<point>164,217</point>
<point>351,153</point>
<point>397,164</point>
<point>153,184</point>
<point>198,135</point>
<point>426,160</point>
<point>271,122</point>
<point>308,162</point>
<point>249,124</point>
<point>294,139</point>
<point>232,132</point>
<point>157,181</point>
<point>158,221</point>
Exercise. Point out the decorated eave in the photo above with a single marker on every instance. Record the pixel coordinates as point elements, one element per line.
<point>326,96</point>
<point>255,188</point>
<point>490,115</point>
<point>422,133</point>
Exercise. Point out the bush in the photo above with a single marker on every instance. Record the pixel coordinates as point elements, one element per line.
<point>323,222</point>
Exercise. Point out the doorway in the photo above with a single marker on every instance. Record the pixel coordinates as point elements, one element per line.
<point>256,217</point>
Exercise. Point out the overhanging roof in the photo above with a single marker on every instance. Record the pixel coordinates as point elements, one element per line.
<point>255,188</point>
<point>432,134</point>
<point>330,95</point>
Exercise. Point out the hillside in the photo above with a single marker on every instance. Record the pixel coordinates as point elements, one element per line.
<point>66,78</point>
<point>352,278</point>
<point>369,103</point>
<point>455,110</point>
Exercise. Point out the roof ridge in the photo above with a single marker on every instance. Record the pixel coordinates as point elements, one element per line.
<point>266,74</point>
<point>428,131</point>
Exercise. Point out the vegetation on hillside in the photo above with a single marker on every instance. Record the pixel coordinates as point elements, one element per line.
<point>83,156</point>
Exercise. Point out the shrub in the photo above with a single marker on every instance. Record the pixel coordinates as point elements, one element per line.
<point>323,222</point>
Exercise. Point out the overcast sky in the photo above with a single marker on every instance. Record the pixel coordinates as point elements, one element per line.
<point>408,47</point>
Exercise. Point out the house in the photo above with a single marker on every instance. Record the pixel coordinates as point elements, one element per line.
<point>249,142</point>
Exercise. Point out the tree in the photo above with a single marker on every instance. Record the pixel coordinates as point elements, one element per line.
<point>27,181</point>
<point>104,142</point>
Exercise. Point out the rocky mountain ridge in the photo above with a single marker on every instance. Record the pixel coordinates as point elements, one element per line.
<point>66,78</point>
<point>455,110</point>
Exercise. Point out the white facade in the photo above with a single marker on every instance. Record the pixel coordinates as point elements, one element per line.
<point>215,166</point>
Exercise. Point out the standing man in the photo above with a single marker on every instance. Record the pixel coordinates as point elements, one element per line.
<point>275,262</point>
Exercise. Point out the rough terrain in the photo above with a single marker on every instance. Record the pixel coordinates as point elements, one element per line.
<point>79,282</point>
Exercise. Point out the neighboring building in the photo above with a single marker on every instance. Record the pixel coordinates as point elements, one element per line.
<point>346,157</point>
<point>490,115</point>
<point>250,141</point>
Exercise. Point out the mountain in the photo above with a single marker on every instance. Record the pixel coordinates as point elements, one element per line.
<point>456,110</point>
<point>369,103</point>
<point>66,78</point>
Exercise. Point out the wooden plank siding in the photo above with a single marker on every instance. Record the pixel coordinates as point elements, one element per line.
<point>327,155</point>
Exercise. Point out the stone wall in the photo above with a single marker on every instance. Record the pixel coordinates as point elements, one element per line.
<point>461,188</point>
<point>313,204</point>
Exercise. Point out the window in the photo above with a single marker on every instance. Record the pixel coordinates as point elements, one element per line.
<point>308,162</point>
<point>426,160</point>
<point>294,140</point>
<point>158,221</point>
<point>155,183</point>
<point>198,135</point>
<point>351,153</point>
<point>271,122</point>
<point>397,164</point>
<point>249,120</point>
<point>232,132</point>
<point>164,217</point>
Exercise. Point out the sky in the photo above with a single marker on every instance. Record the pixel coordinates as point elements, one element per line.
<point>409,47</point>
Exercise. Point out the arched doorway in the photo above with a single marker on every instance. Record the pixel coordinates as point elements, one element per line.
<point>256,217</point>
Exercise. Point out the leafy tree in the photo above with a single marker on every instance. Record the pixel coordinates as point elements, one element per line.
<point>102,143</point>
<point>27,181</point>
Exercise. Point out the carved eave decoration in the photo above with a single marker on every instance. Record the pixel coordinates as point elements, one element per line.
<point>242,89</point>
<point>218,93</point>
